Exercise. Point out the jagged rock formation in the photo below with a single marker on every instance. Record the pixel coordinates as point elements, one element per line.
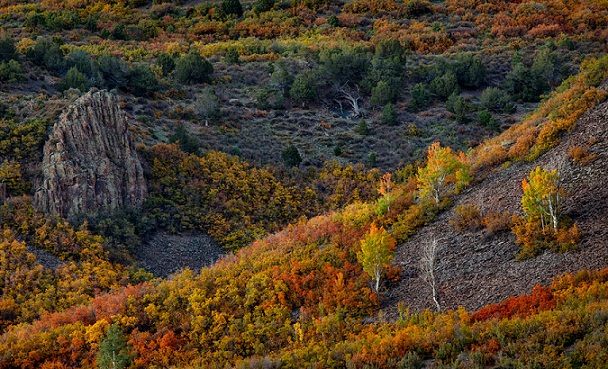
<point>90,163</point>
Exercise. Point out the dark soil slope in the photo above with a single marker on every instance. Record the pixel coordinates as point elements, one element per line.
<point>166,254</point>
<point>475,269</point>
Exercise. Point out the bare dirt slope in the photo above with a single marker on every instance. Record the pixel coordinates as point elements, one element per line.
<point>475,270</point>
<point>166,254</point>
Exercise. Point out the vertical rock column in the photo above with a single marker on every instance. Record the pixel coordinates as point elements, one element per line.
<point>90,163</point>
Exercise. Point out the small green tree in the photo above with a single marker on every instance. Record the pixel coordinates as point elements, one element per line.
<point>459,107</point>
<point>11,72</point>
<point>419,97</point>
<point>389,115</point>
<point>232,55</point>
<point>232,7</point>
<point>302,88</point>
<point>142,81</point>
<point>333,21</point>
<point>114,351</point>
<point>363,128</point>
<point>377,250</point>
<point>291,156</point>
<point>280,78</point>
<point>469,70</point>
<point>382,94</point>
<point>8,50</point>
<point>165,62</point>
<point>47,54</point>
<point>193,68</point>
<point>207,104</point>
<point>263,6</point>
<point>495,99</point>
<point>74,79</point>
<point>444,86</point>
<point>486,119</point>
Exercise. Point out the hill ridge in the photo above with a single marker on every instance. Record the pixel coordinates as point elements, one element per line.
<point>477,269</point>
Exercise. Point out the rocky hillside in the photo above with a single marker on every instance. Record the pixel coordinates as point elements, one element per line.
<point>90,163</point>
<point>165,253</point>
<point>476,268</point>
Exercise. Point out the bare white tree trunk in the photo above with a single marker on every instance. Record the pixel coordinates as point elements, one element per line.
<point>554,210</point>
<point>427,266</point>
<point>353,97</point>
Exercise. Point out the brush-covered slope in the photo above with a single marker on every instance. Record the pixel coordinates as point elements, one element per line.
<point>300,298</point>
<point>478,265</point>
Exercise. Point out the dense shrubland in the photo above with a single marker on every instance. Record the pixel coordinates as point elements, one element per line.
<point>300,289</point>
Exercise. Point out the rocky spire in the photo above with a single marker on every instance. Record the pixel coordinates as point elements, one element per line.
<point>90,163</point>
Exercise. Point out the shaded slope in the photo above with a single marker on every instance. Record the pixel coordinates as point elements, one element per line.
<point>165,253</point>
<point>477,270</point>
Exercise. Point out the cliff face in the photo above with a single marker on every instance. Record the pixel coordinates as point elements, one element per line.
<point>90,163</point>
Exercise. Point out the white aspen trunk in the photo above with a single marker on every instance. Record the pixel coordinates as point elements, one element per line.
<point>427,268</point>
<point>554,208</point>
<point>434,288</point>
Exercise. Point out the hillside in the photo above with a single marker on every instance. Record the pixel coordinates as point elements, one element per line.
<point>477,268</point>
<point>251,184</point>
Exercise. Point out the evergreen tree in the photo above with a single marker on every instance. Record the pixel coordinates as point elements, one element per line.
<point>486,119</point>
<point>302,89</point>
<point>458,106</point>
<point>419,97</point>
<point>142,81</point>
<point>74,79</point>
<point>232,7</point>
<point>444,86</point>
<point>165,62</point>
<point>382,94</point>
<point>263,6</point>
<point>114,351</point>
<point>291,156</point>
<point>193,68</point>
<point>232,55</point>
<point>495,99</point>
<point>7,49</point>
<point>389,115</point>
<point>469,70</point>
<point>363,128</point>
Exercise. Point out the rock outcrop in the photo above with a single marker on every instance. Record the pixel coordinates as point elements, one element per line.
<point>90,163</point>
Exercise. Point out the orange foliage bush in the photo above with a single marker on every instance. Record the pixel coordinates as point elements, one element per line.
<point>494,222</point>
<point>467,217</point>
<point>581,155</point>
<point>534,239</point>
<point>540,299</point>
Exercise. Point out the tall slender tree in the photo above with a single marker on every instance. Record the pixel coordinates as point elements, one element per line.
<point>377,250</point>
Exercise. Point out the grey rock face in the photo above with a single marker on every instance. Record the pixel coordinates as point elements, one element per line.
<point>90,163</point>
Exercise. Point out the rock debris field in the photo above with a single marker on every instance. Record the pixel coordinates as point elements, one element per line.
<point>167,254</point>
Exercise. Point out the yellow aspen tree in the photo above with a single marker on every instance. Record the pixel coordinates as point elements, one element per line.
<point>443,168</point>
<point>377,250</point>
<point>542,197</point>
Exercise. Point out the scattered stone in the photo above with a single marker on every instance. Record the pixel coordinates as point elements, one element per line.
<point>167,254</point>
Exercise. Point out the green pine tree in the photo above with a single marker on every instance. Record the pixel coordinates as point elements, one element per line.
<point>114,351</point>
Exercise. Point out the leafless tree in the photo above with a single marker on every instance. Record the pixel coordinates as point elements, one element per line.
<point>352,95</point>
<point>428,268</point>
